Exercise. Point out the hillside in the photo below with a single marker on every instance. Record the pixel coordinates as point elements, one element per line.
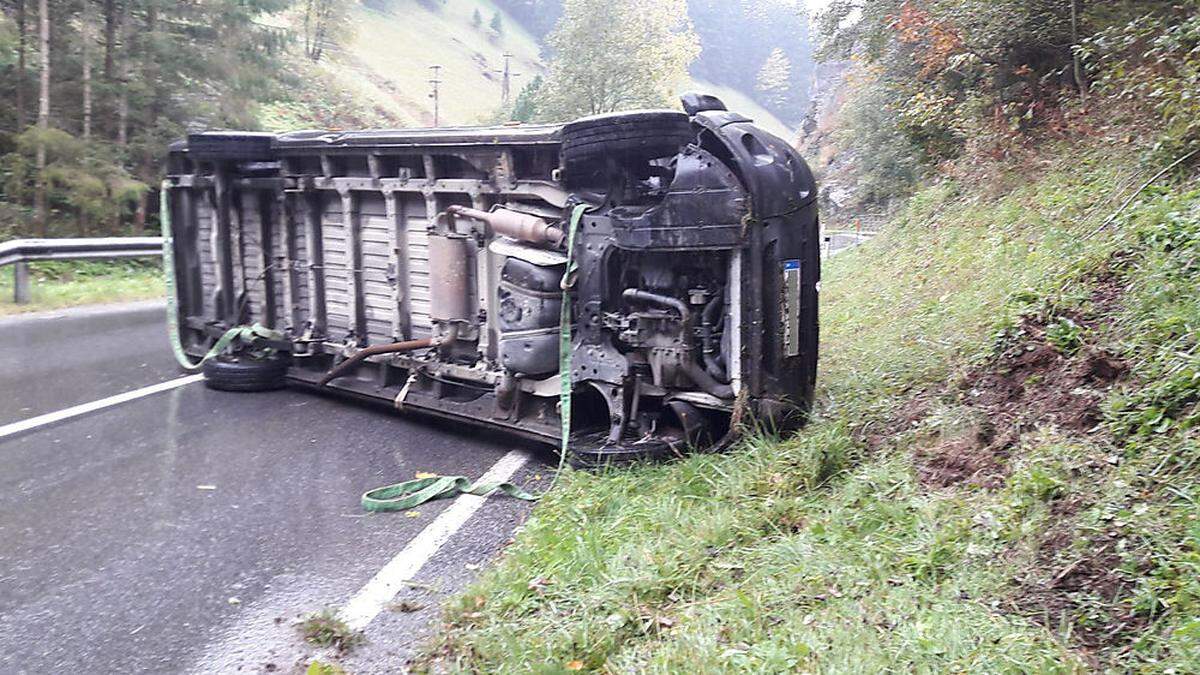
<point>1003,473</point>
<point>382,76</point>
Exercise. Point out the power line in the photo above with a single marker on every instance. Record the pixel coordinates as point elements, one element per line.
<point>505,82</point>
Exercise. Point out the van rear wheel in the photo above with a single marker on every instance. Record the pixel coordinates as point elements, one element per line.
<point>243,371</point>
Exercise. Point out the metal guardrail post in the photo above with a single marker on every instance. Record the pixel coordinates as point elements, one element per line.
<point>21,291</point>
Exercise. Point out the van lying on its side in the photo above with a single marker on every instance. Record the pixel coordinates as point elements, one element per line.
<point>426,268</point>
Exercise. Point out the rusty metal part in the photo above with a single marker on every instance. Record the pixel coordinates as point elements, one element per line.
<point>449,265</point>
<point>513,224</point>
<point>374,350</point>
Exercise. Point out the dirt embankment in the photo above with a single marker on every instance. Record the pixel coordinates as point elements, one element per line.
<point>1036,383</point>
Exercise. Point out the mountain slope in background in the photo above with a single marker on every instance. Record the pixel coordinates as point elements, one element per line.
<point>381,77</point>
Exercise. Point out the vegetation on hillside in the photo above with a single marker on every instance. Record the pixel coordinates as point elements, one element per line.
<point>931,81</point>
<point>99,88</point>
<point>763,49</point>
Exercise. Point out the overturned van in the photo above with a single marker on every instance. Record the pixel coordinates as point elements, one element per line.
<point>651,276</point>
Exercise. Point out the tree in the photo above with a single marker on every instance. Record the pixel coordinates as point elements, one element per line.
<point>43,120</point>
<point>85,24</point>
<point>111,84</point>
<point>738,37</point>
<point>524,108</point>
<point>325,23</point>
<point>497,24</point>
<point>20,83</point>
<point>774,78</point>
<point>476,18</point>
<point>615,54</point>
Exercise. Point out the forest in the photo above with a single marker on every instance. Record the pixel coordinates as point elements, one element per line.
<point>98,88</point>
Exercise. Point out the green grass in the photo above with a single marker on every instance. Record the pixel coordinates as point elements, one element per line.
<point>69,284</point>
<point>825,552</point>
<point>324,629</point>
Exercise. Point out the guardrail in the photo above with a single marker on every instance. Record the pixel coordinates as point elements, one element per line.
<point>21,252</point>
<point>836,241</point>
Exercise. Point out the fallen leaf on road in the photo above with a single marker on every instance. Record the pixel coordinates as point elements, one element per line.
<point>426,474</point>
<point>406,606</point>
<point>575,665</point>
<point>413,514</point>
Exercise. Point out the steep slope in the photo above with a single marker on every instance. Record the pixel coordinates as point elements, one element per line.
<point>381,76</point>
<point>1004,473</point>
<point>393,52</point>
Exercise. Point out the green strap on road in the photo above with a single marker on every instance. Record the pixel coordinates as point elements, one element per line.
<point>413,493</point>
<point>246,334</point>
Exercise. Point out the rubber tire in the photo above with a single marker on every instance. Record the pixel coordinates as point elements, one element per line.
<point>246,373</point>
<point>626,136</point>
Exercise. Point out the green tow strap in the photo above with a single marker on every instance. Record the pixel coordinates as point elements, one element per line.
<point>403,496</point>
<point>244,333</point>
<point>413,493</point>
<point>564,335</point>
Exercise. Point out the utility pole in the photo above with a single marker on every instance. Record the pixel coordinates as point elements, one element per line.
<point>506,81</point>
<point>435,81</point>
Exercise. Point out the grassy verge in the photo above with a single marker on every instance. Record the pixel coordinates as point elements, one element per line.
<point>978,492</point>
<point>69,284</point>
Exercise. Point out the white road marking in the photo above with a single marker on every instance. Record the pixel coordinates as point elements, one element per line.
<point>84,408</point>
<point>379,591</point>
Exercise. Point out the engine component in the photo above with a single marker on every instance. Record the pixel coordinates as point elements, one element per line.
<point>530,301</point>
<point>449,294</point>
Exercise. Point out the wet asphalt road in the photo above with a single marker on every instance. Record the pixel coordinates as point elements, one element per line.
<point>111,558</point>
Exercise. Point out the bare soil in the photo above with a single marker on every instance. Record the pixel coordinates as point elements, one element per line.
<point>1030,385</point>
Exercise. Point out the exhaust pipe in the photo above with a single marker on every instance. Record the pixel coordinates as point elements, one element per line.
<point>513,224</point>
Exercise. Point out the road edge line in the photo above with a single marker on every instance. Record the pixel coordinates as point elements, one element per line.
<point>15,428</point>
<point>375,595</point>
